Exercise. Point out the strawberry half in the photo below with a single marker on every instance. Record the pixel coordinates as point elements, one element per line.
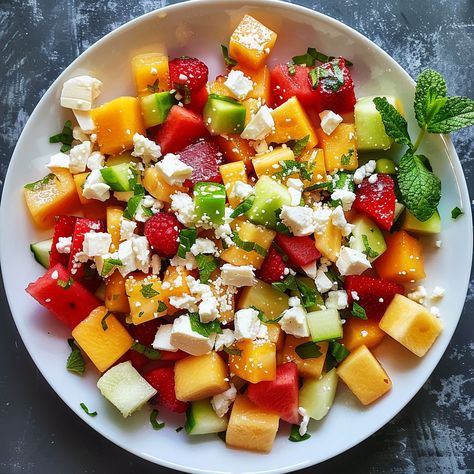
<point>162,231</point>
<point>273,267</point>
<point>188,72</point>
<point>374,294</point>
<point>162,380</point>
<point>377,200</point>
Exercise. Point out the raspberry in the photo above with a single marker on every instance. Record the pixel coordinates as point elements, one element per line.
<point>273,267</point>
<point>162,380</point>
<point>162,231</point>
<point>190,72</point>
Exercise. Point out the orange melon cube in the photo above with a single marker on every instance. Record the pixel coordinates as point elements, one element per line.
<point>403,260</point>
<point>114,217</point>
<point>292,123</point>
<point>79,180</point>
<point>364,375</point>
<point>174,284</point>
<point>250,427</point>
<point>316,165</point>
<point>156,185</point>
<point>269,163</point>
<point>199,377</point>
<point>219,88</point>
<point>222,291</point>
<point>359,332</point>
<point>103,346</point>
<point>53,195</point>
<point>116,298</point>
<point>411,324</point>
<point>340,148</point>
<point>151,69</point>
<point>276,335</point>
<point>261,83</point>
<point>251,108</point>
<point>329,242</point>
<point>116,123</point>
<point>251,42</point>
<point>232,172</point>
<point>256,362</point>
<point>235,148</point>
<point>311,367</point>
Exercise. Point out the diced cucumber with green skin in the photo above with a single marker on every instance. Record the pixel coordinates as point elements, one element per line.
<point>364,226</point>
<point>125,157</point>
<point>42,251</point>
<point>317,395</point>
<point>319,299</point>
<point>270,195</point>
<point>224,115</point>
<point>209,201</point>
<point>385,166</point>
<point>155,107</point>
<point>399,208</point>
<point>202,419</point>
<point>324,325</point>
<point>119,177</point>
<point>370,130</point>
<point>431,226</point>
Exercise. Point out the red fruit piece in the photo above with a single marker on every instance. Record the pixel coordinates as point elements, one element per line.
<point>138,360</point>
<point>301,251</point>
<point>374,294</point>
<point>181,128</point>
<point>145,333</point>
<point>377,200</point>
<point>205,158</point>
<point>162,380</point>
<point>198,100</point>
<point>64,297</point>
<point>284,85</point>
<point>173,356</point>
<point>279,395</point>
<point>330,94</point>
<point>273,267</point>
<point>64,228</point>
<point>162,231</point>
<point>189,72</point>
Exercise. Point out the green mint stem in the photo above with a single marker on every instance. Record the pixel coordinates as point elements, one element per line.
<point>419,139</point>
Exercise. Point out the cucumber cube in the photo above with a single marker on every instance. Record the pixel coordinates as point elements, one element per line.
<point>317,395</point>
<point>202,419</point>
<point>366,235</point>
<point>224,115</point>
<point>155,107</point>
<point>431,226</point>
<point>42,251</point>
<point>209,201</point>
<point>125,388</point>
<point>270,195</point>
<point>120,177</point>
<point>324,325</point>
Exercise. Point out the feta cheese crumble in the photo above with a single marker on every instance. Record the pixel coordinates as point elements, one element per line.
<point>298,219</point>
<point>260,125</point>
<point>80,92</point>
<point>238,276</point>
<point>329,121</point>
<point>95,187</point>
<point>221,402</point>
<point>145,149</point>
<point>248,326</point>
<point>238,84</point>
<point>294,322</point>
<point>174,170</point>
<point>352,262</point>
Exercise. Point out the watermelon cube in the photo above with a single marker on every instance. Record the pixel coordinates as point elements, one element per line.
<point>301,251</point>
<point>198,100</point>
<point>64,227</point>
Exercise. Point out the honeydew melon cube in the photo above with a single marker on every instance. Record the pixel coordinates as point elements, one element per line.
<point>317,394</point>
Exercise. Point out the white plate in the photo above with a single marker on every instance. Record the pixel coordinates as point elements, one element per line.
<point>197,29</point>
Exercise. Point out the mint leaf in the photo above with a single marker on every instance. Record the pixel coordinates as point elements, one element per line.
<point>40,184</point>
<point>227,59</point>
<point>419,187</point>
<point>300,145</point>
<point>289,283</point>
<point>295,434</point>
<point>455,113</point>
<point>205,329</point>
<point>65,137</point>
<point>338,351</point>
<point>148,352</point>
<point>154,423</point>
<point>248,246</point>
<point>103,322</point>
<point>264,319</point>
<point>206,266</point>
<point>187,238</point>
<point>75,361</point>
<point>430,94</point>
<point>308,294</point>
<point>358,311</point>
<point>148,291</point>
<point>153,88</point>
<point>232,351</point>
<point>368,249</point>
<point>394,123</point>
<point>456,212</point>
<point>243,207</point>
<point>134,202</point>
<point>109,264</point>
<point>308,350</point>
<point>84,407</point>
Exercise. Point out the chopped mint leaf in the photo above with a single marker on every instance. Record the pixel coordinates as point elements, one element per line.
<point>205,329</point>
<point>148,291</point>
<point>134,202</point>
<point>109,263</point>
<point>75,361</point>
<point>289,283</point>
<point>104,321</point>
<point>308,350</point>
<point>40,184</point>
<point>358,311</point>
<point>232,351</point>
<point>308,295</point>
<point>346,159</point>
<point>368,250</point>
<point>317,186</point>
<point>338,351</point>
<point>262,317</point>
<point>279,226</point>
<point>187,238</point>
<point>290,167</point>
<point>304,60</point>
<point>300,145</point>
<point>295,434</point>
<point>312,55</point>
<point>154,423</point>
<point>84,407</point>
<point>291,68</point>
<point>248,246</point>
<point>430,96</point>
<point>243,207</point>
<point>161,307</point>
<point>330,79</point>
<point>230,62</point>
<point>65,284</point>
<point>153,88</point>
<point>206,266</point>
<point>147,212</point>
<point>393,121</point>
<point>148,352</point>
<point>456,212</point>
<point>65,137</point>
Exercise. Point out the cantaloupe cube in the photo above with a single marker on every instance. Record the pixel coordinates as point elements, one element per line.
<point>276,335</point>
<point>251,108</point>
<point>411,324</point>
<point>292,123</point>
<point>232,172</point>
<point>176,278</point>
<point>219,88</point>
<point>146,298</point>
<point>311,367</point>
<point>256,362</point>
<point>198,377</point>
<point>364,375</point>
<point>403,260</point>
<point>114,217</point>
<point>269,163</point>
<point>358,332</point>
<point>103,346</point>
<point>340,148</point>
<point>236,148</point>
<point>329,242</point>
<point>316,166</point>
<point>53,195</point>
<point>151,69</point>
<point>249,232</point>
<point>250,427</point>
<point>116,298</point>
<point>116,123</point>
<point>251,42</point>
<point>156,185</point>
<point>79,180</point>
<point>261,83</point>
<point>268,300</point>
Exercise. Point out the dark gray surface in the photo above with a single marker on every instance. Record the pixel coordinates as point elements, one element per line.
<point>38,433</point>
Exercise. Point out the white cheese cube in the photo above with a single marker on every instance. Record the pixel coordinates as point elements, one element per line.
<point>294,322</point>
<point>322,214</point>
<point>183,205</point>
<point>95,160</point>
<point>96,243</point>
<point>260,125</point>
<point>418,295</point>
<point>95,187</point>
<point>189,341</point>
<point>304,422</point>
<point>186,302</point>
<point>78,157</point>
<point>174,170</point>
<point>189,262</point>
<point>145,149</point>
<point>294,301</point>
<point>208,308</point>
<point>84,119</point>
<point>64,244</point>
<point>238,84</point>
<point>242,190</point>
<point>352,262</point>
<point>141,250</point>
<point>438,293</point>
<point>310,269</point>
<point>127,228</point>
<point>323,283</point>
<point>298,219</point>
<point>233,275</point>
<point>79,92</point>
<point>221,402</point>
<point>226,339</point>
<point>127,257</point>
<point>364,171</point>
<point>336,300</point>
<point>346,197</point>
<point>295,196</point>
<point>162,340</point>
<point>329,121</point>
<point>339,220</point>
<point>59,160</point>
<point>205,246</point>
<point>247,325</point>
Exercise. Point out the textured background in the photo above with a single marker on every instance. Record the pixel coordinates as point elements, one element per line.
<point>38,433</point>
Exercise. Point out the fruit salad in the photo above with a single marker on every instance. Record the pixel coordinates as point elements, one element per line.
<point>232,248</point>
